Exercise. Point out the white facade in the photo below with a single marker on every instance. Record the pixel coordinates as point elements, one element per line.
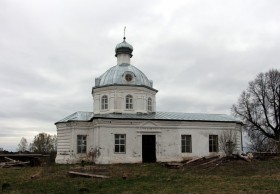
<point>125,127</point>
<point>100,134</point>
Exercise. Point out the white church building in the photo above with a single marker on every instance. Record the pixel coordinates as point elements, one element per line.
<point>125,127</point>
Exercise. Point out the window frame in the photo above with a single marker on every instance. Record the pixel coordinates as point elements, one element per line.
<point>81,144</point>
<point>186,143</point>
<point>104,102</point>
<point>118,145</point>
<point>149,104</point>
<point>129,102</point>
<point>213,143</point>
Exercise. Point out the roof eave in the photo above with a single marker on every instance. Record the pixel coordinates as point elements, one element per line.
<point>95,87</point>
<point>100,117</point>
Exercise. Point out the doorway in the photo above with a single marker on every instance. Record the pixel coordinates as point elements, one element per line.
<point>149,148</point>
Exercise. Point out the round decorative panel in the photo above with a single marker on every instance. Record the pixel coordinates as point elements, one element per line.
<point>128,77</point>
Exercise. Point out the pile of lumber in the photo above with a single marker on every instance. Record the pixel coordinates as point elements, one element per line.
<point>12,163</point>
<point>210,160</point>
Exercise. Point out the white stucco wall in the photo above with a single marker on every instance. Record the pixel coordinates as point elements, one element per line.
<point>116,99</point>
<point>67,141</point>
<point>100,134</point>
<point>123,58</point>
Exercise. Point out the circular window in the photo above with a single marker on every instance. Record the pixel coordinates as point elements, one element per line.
<point>128,77</point>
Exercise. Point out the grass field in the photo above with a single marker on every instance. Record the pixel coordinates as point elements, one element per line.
<point>231,177</point>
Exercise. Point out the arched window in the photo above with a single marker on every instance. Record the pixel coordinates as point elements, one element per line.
<point>104,102</point>
<point>150,108</point>
<point>129,102</point>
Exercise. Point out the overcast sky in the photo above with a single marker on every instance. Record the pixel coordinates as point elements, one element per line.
<point>200,54</point>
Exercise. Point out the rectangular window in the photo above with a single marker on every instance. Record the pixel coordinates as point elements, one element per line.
<point>129,102</point>
<point>81,144</point>
<point>120,143</point>
<point>104,102</point>
<point>213,143</point>
<point>186,143</point>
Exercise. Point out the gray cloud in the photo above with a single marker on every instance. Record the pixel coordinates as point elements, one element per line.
<point>200,55</point>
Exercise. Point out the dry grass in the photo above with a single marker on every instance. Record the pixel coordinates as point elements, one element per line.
<point>231,177</point>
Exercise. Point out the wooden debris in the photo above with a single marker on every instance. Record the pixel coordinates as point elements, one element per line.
<point>247,157</point>
<point>202,160</point>
<point>212,161</point>
<point>88,175</point>
<point>11,162</point>
<point>195,161</point>
<point>91,168</point>
<point>34,159</point>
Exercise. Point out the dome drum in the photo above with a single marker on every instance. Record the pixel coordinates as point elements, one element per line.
<point>112,88</point>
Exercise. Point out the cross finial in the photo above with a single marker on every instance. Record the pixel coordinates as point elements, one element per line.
<point>124,33</point>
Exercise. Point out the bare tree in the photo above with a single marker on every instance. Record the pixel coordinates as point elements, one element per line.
<point>44,143</point>
<point>259,106</point>
<point>23,145</point>
<point>228,142</point>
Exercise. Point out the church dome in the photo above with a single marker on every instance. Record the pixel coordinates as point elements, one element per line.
<point>123,74</point>
<point>124,48</point>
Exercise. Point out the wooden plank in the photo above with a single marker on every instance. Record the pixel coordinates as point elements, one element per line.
<point>212,161</point>
<point>193,160</point>
<point>11,160</point>
<point>88,175</point>
<point>19,155</point>
<point>16,163</point>
<point>201,158</point>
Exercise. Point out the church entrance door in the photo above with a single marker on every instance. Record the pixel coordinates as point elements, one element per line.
<point>149,148</point>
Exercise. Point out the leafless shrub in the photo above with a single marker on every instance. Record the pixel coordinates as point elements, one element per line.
<point>93,154</point>
<point>228,142</point>
<point>261,143</point>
